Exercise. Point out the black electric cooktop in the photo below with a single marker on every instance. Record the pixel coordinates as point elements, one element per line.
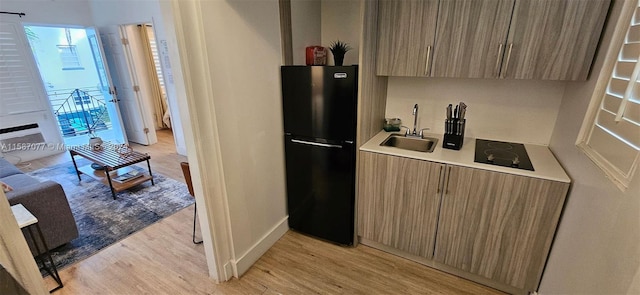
<point>506,154</point>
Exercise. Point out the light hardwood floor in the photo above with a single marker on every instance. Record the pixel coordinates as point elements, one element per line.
<point>161,259</point>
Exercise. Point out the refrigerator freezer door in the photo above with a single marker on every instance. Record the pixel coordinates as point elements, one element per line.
<point>320,102</point>
<point>320,189</point>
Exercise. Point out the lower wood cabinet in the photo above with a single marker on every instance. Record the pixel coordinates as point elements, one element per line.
<point>497,225</point>
<point>399,200</point>
<point>489,225</point>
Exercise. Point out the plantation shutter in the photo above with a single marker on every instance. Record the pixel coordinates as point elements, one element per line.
<point>21,89</point>
<point>615,136</point>
<point>156,57</point>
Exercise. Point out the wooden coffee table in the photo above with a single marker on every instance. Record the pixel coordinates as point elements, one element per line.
<point>110,160</point>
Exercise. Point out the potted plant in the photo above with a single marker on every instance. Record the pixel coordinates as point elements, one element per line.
<point>95,142</point>
<point>338,49</point>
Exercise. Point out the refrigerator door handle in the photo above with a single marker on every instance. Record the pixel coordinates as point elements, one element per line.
<point>316,143</point>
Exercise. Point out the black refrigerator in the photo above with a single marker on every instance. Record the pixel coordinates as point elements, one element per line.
<point>319,109</point>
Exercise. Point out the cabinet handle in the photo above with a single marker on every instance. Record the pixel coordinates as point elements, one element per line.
<point>448,177</point>
<point>506,66</point>
<point>439,179</point>
<point>426,66</point>
<point>497,70</point>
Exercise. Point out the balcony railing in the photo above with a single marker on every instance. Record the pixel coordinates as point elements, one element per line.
<point>79,111</point>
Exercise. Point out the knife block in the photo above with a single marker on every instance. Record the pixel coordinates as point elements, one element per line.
<point>453,134</point>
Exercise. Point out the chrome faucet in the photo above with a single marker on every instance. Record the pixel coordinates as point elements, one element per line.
<point>415,120</point>
<point>415,132</point>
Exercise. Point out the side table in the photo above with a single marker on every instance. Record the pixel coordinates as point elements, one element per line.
<point>26,219</point>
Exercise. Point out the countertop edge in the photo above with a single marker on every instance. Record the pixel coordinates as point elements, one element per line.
<point>544,162</point>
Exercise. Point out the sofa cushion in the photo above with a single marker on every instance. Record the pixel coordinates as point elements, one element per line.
<point>19,181</point>
<point>7,168</point>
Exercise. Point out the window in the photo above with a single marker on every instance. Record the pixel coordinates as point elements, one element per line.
<point>156,57</point>
<point>610,135</point>
<point>69,57</point>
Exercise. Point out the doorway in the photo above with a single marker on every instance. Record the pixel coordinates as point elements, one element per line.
<point>134,55</point>
<point>77,83</point>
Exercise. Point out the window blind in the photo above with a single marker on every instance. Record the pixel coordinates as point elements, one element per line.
<point>20,83</point>
<point>614,139</point>
<point>69,57</point>
<point>156,57</point>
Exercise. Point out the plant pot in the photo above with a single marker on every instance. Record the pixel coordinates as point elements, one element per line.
<point>338,59</point>
<point>95,143</point>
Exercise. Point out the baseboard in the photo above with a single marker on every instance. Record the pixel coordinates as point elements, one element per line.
<point>228,271</point>
<point>243,263</point>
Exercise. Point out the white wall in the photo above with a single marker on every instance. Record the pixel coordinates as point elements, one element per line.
<point>320,22</point>
<point>305,28</point>
<point>243,46</point>
<point>119,12</point>
<point>597,246</point>
<point>341,21</point>
<point>68,12</point>
<point>508,110</point>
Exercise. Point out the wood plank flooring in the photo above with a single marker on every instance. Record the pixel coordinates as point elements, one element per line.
<point>161,259</point>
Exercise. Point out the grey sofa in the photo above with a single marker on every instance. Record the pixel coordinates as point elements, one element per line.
<point>46,200</point>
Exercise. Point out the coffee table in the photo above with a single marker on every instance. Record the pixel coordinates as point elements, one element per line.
<point>112,162</point>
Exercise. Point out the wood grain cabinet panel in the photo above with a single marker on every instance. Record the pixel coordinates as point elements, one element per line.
<point>498,225</point>
<point>398,200</point>
<point>524,39</point>
<point>553,39</point>
<point>471,37</point>
<point>406,32</point>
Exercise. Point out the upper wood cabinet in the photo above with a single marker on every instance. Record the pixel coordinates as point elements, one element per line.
<point>553,39</point>
<point>470,38</point>
<point>398,201</point>
<point>497,225</point>
<point>406,32</point>
<point>517,39</point>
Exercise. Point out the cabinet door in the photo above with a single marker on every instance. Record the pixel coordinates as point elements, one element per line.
<point>406,31</point>
<point>553,40</point>
<point>470,38</point>
<point>398,201</point>
<point>498,225</point>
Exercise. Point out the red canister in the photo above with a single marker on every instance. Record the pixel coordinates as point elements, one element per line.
<point>316,56</point>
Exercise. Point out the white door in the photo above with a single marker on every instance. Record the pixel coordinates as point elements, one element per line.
<point>107,88</point>
<point>129,104</point>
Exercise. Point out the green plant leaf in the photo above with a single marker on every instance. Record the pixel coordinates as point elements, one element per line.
<point>339,47</point>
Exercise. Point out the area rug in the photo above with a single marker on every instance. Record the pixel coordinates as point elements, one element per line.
<point>103,221</point>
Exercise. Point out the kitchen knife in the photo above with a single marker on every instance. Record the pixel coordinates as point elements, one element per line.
<point>455,112</point>
<point>447,127</point>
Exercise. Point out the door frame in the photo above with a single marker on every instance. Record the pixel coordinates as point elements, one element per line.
<point>104,62</point>
<point>191,72</point>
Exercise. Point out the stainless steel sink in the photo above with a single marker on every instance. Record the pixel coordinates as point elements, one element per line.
<point>426,144</point>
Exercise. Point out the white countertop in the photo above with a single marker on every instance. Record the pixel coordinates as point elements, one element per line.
<point>545,164</point>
